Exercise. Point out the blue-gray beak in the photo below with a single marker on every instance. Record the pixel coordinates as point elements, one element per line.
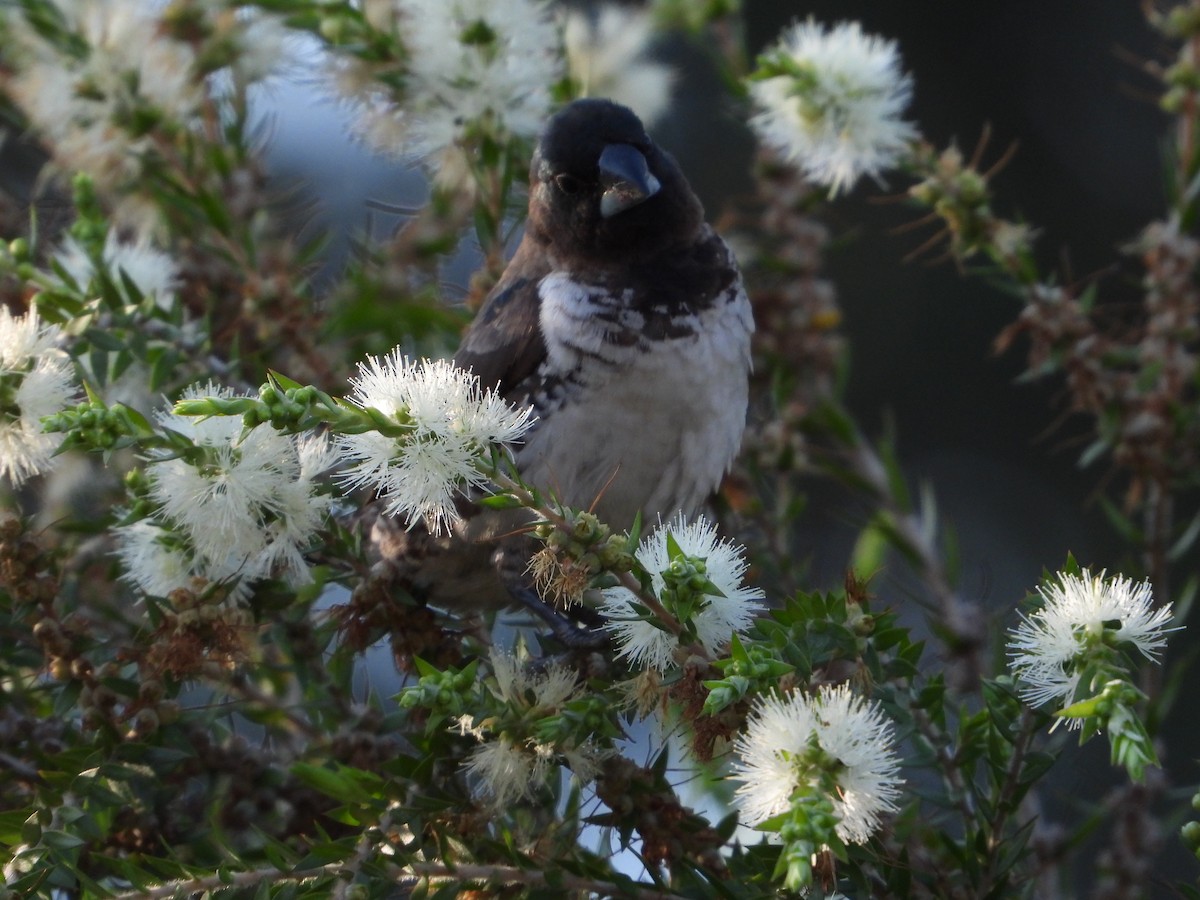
<point>626,179</point>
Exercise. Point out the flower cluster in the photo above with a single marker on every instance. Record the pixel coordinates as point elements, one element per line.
<point>96,107</point>
<point>698,577</point>
<point>443,426</point>
<point>467,65</point>
<point>35,381</point>
<point>511,763</point>
<point>242,506</point>
<point>104,109</point>
<point>791,743</point>
<point>818,769</point>
<point>831,100</point>
<point>1070,652</point>
<point>608,56</point>
<point>1083,618</point>
<point>152,272</point>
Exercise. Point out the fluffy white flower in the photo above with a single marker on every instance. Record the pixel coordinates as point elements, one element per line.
<point>506,772</point>
<point>524,686</point>
<point>507,768</point>
<point>153,559</point>
<point>23,339</point>
<point>453,425</point>
<point>722,616</point>
<point>607,54</point>
<point>152,271</point>
<point>35,381</point>
<point>220,500</point>
<point>84,103</point>
<point>301,511</point>
<point>1050,648</point>
<point>470,63</point>
<point>157,558</point>
<point>128,77</point>
<point>833,102</point>
<point>778,764</point>
<point>264,45</point>
<point>250,505</point>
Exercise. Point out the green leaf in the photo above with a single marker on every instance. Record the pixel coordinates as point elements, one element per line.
<point>500,501</point>
<point>870,551</point>
<point>325,853</point>
<point>61,840</point>
<point>332,784</point>
<point>674,551</point>
<point>1186,540</point>
<point>281,381</point>
<point>635,532</point>
<point>103,339</point>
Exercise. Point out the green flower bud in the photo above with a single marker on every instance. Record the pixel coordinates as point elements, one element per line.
<point>1190,832</point>
<point>19,249</point>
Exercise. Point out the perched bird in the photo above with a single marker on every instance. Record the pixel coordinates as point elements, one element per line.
<point>622,319</point>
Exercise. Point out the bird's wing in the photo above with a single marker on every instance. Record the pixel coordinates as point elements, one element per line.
<point>504,345</point>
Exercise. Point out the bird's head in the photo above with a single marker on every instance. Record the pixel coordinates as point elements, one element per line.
<point>600,189</point>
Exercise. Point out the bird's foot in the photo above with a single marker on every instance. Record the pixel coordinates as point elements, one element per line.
<point>583,633</point>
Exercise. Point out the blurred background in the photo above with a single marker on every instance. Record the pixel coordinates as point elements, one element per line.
<point>1063,82</point>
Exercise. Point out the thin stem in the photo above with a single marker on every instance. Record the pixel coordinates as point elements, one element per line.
<point>1004,806</point>
<point>223,881</point>
<point>955,615</point>
<point>367,848</point>
<point>416,872</point>
<point>950,768</point>
<point>241,686</point>
<point>494,874</point>
<point>1158,517</point>
<point>1185,135</point>
<point>526,497</point>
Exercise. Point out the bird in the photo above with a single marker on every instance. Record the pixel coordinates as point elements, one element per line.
<point>623,321</point>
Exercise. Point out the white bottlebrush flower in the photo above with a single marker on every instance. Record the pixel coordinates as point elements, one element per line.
<point>263,45</point>
<point>35,381</point>
<point>300,512</point>
<point>522,685</point>
<point>832,102</point>
<point>153,272</point>
<point>722,616</point>
<point>256,46</point>
<point>129,78</point>
<point>220,500</point>
<point>607,55</point>
<point>856,743</point>
<point>157,559</point>
<point>249,506</point>
<point>507,768</point>
<point>507,772</point>
<point>151,561</point>
<point>1082,614</point>
<point>470,63</point>
<point>91,105</point>
<point>452,423</point>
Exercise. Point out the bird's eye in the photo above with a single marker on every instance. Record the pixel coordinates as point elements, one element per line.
<point>568,184</point>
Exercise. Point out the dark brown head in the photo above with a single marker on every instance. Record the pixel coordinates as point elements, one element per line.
<point>601,191</point>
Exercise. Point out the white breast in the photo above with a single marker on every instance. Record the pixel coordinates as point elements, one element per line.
<point>637,424</point>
